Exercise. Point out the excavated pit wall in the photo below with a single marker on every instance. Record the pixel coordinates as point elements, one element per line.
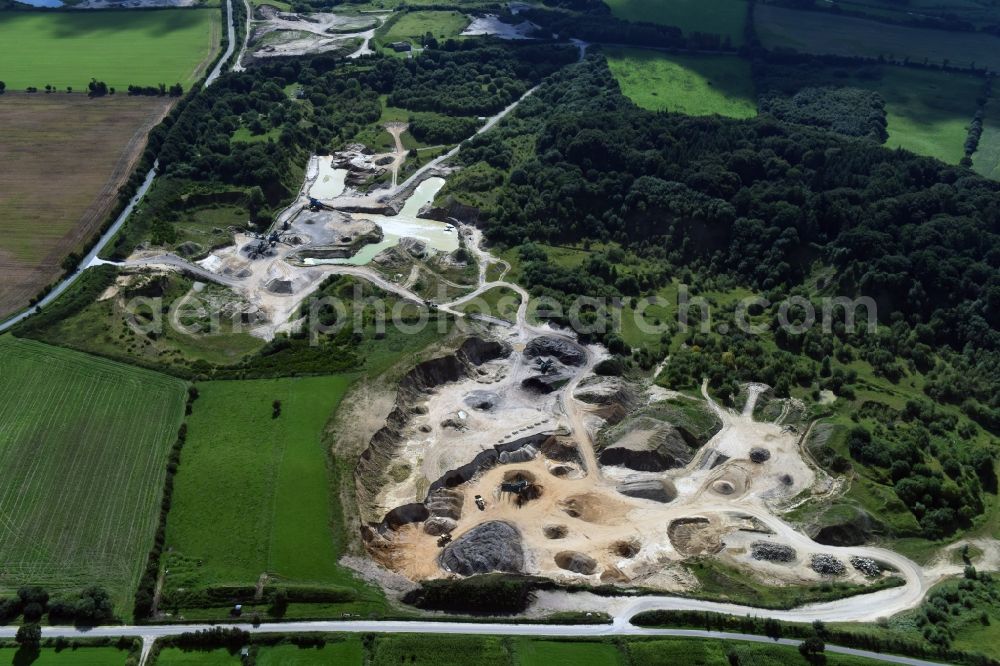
<point>376,460</point>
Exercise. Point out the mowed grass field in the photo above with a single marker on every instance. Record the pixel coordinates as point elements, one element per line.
<point>118,47</point>
<point>695,85</point>
<point>253,493</point>
<point>62,159</point>
<point>826,33</point>
<point>719,17</point>
<point>390,650</point>
<point>565,653</point>
<point>83,449</point>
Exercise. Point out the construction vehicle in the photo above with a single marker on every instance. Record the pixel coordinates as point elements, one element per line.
<point>516,487</point>
<point>265,243</point>
<point>315,204</point>
<point>546,365</point>
<point>261,249</point>
<point>480,502</point>
<point>444,540</point>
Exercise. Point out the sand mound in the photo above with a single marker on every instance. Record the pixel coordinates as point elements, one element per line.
<point>593,509</point>
<point>658,490</point>
<point>625,548</point>
<point>555,531</point>
<point>732,481</point>
<point>577,562</point>
<point>695,536</point>
<point>723,487</point>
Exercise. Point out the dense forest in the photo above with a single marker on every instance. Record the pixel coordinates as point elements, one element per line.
<point>849,111</point>
<point>335,100</point>
<point>759,200</point>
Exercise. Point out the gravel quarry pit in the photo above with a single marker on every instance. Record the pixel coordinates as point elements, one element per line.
<point>521,402</point>
<point>602,523</point>
<point>505,407</point>
<point>276,33</point>
<point>275,282</point>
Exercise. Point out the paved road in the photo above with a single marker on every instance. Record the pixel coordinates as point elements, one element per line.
<point>230,46</point>
<point>620,627</point>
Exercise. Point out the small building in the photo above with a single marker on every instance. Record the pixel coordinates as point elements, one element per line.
<point>401,47</point>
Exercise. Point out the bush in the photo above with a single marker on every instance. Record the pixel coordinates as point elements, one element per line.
<point>29,636</point>
<point>493,594</point>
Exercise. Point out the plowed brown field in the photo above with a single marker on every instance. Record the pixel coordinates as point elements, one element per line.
<point>62,159</point>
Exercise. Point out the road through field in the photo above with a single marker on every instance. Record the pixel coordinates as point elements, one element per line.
<point>230,46</point>
<point>620,627</point>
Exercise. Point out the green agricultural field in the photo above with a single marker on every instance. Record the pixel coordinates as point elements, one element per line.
<point>826,33</point>
<point>695,85</point>
<point>253,493</point>
<point>117,47</point>
<point>390,650</point>
<point>700,652</point>
<point>347,652</point>
<point>86,656</point>
<point>928,111</point>
<point>412,26</point>
<point>720,17</point>
<point>83,447</point>
<point>450,650</point>
<point>178,657</point>
<point>277,4</point>
<point>566,653</point>
<point>986,159</point>
<point>978,13</point>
